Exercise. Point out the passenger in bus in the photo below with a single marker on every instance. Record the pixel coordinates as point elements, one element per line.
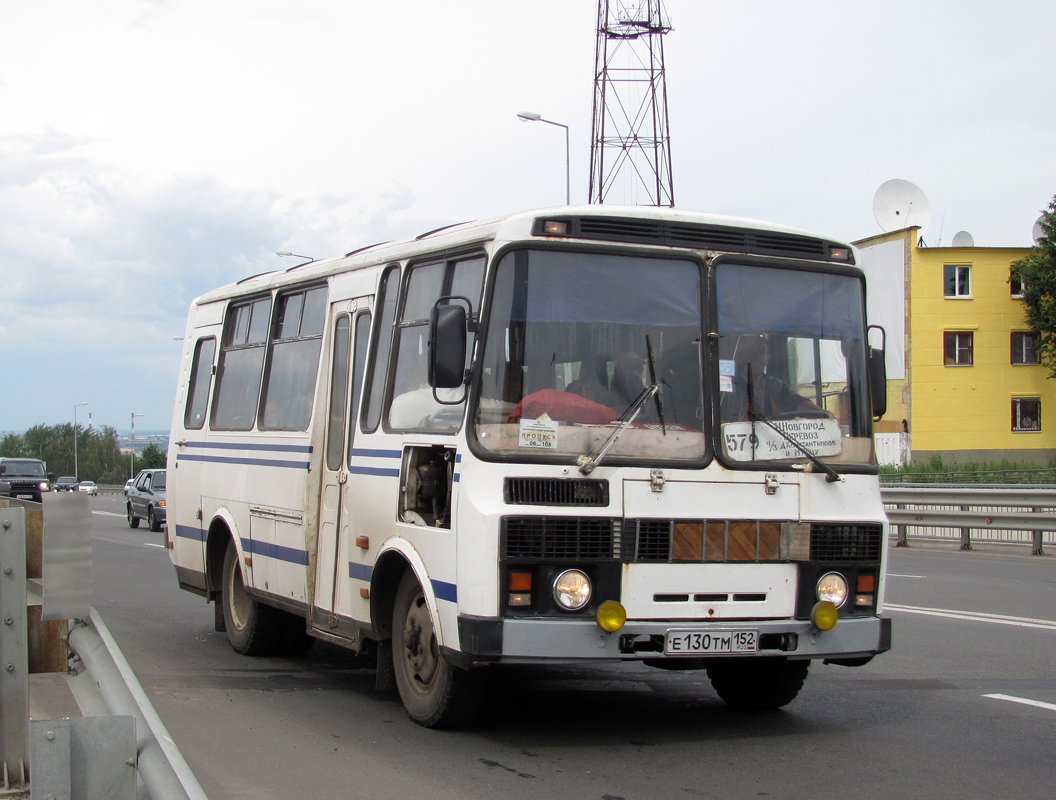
<point>769,394</point>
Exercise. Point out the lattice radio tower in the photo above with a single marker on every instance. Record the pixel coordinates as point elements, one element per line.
<point>630,129</point>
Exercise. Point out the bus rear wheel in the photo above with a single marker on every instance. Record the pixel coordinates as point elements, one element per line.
<point>757,684</point>
<point>252,628</point>
<point>435,693</point>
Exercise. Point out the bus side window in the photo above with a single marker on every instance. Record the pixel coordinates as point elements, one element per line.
<point>413,406</point>
<point>359,364</point>
<point>374,391</point>
<point>198,391</point>
<point>335,429</point>
<point>240,366</point>
<point>293,360</point>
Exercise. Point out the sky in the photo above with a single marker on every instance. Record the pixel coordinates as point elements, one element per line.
<point>152,150</point>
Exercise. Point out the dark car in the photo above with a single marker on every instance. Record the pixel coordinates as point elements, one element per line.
<point>146,499</point>
<point>65,483</point>
<point>24,479</point>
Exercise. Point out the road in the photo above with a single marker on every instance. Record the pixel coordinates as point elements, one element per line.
<point>964,706</point>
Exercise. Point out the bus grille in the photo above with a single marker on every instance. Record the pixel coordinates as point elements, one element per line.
<point>702,237</point>
<point>580,538</point>
<point>845,543</point>
<point>556,492</point>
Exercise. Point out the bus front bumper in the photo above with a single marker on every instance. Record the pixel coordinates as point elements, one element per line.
<point>537,640</point>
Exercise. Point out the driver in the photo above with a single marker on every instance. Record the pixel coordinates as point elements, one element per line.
<point>770,394</point>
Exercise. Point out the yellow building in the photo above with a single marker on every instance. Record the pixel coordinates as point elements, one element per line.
<point>964,379</point>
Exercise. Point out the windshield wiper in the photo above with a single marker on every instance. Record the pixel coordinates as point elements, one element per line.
<point>588,463</point>
<point>830,474</point>
<point>654,382</point>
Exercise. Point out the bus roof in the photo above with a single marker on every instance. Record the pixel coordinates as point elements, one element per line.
<point>511,227</point>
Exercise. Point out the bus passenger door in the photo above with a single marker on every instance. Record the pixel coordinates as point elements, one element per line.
<point>186,534</point>
<point>350,323</point>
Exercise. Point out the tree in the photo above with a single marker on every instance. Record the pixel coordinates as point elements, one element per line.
<point>152,457</point>
<point>1036,274</point>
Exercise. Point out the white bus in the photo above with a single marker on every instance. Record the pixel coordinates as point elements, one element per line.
<point>587,433</point>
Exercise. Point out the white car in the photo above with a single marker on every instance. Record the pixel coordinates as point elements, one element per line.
<point>128,485</point>
<point>88,486</point>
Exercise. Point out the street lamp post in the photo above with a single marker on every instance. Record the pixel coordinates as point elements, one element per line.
<point>76,474</point>
<point>132,449</point>
<point>531,116</point>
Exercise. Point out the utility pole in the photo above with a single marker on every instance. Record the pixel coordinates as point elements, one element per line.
<point>630,139</point>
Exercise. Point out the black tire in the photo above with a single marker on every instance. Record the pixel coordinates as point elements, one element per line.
<point>758,684</point>
<point>253,629</point>
<point>435,693</point>
<point>152,521</point>
<point>133,520</point>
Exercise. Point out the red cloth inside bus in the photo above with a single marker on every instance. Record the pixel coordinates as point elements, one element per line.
<point>563,407</point>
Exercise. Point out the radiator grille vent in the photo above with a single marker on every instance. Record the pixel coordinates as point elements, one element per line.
<point>556,492</point>
<point>653,539</point>
<point>701,236</point>
<point>580,538</point>
<point>845,543</point>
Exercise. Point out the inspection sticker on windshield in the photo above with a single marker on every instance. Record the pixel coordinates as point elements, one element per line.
<point>747,441</point>
<point>540,434</point>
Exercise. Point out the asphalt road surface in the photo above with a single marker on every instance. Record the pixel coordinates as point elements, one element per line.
<point>964,706</point>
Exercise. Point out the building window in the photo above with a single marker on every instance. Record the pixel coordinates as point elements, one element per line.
<point>957,346</point>
<point>958,281</point>
<point>1026,414</point>
<point>1016,286</point>
<point>1023,350</point>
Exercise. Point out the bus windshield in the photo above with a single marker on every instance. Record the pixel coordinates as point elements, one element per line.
<point>791,366</point>
<point>572,341</point>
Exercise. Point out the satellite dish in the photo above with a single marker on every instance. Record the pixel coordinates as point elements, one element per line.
<point>899,204</point>
<point>1038,231</point>
<point>963,239</point>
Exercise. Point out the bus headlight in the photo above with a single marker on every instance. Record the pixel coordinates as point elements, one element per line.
<point>572,590</point>
<point>832,587</point>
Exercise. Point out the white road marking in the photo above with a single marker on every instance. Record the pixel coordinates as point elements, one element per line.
<point>108,513</point>
<point>896,575</point>
<point>977,616</point>
<point>1025,701</point>
<point>151,544</point>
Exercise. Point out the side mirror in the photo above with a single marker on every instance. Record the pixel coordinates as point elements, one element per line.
<point>878,374</point>
<point>447,345</point>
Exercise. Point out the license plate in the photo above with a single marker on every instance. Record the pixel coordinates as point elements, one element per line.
<point>23,497</point>
<point>698,642</point>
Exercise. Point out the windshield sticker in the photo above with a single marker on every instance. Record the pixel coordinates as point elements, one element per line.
<point>725,383</point>
<point>819,437</point>
<point>539,434</point>
<point>727,366</point>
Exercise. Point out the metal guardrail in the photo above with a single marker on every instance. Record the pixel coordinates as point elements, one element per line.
<point>120,735</point>
<point>1006,513</point>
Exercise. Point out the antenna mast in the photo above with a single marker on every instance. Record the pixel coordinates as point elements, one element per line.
<point>630,127</point>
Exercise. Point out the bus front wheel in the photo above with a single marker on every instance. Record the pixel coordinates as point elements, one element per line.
<point>757,683</point>
<point>435,693</point>
<point>252,628</point>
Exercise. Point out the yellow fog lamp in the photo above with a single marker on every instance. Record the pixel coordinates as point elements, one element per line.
<point>824,615</point>
<point>611,616</point>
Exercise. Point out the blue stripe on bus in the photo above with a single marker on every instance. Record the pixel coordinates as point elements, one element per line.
<point>360,572</point>
<point>445,591</point>
<point>378,471</point>
<point>189,532</point>
<point>272,448</point>
<point>251,462</point>
<point>367,453</point>
<point>442,590</point>
<point>268,550</point>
